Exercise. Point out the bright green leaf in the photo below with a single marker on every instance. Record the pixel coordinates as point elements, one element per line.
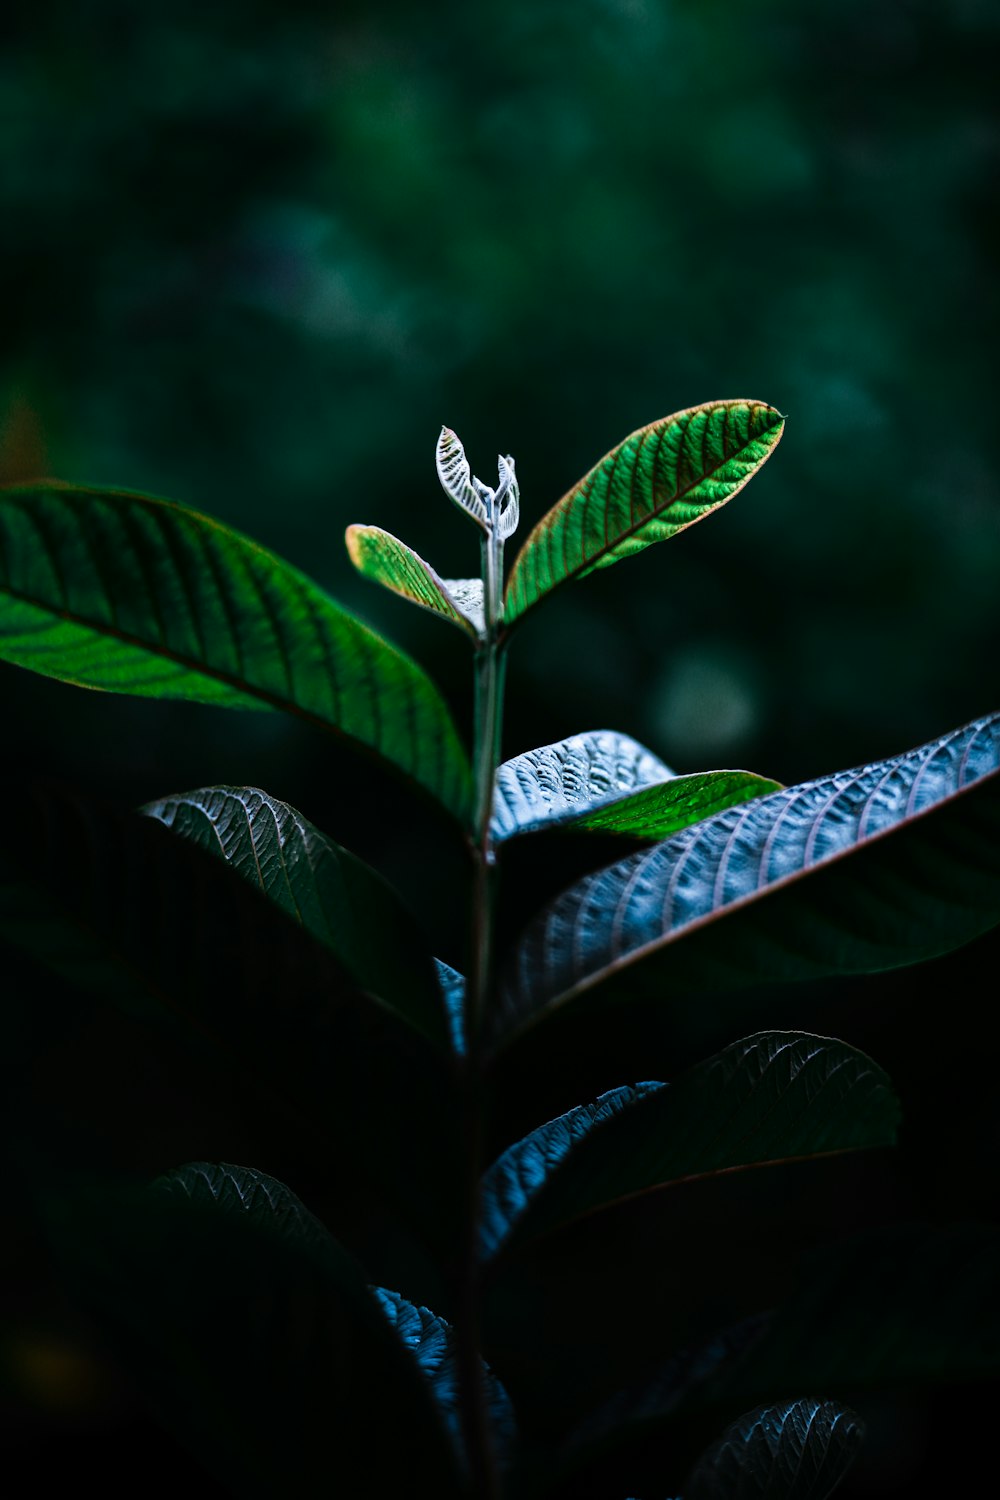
<point>332,893</point>
<point>605,782</point>
<point>390,562</point>
<point>777,1096</point>
<point>560,783</point>
<point>130,594</point>
<point>869,869</point>
<point>658,481</point>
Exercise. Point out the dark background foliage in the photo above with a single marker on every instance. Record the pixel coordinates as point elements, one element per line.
<point>254,255</point>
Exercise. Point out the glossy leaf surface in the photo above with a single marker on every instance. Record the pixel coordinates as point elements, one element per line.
<point>382,558</point>
<point>559,783</point>
<point>883,865</point>
<point>797,1450</point>
<point>661,479</point>
<point>776,1096</point>
<point>131,594</point>
<point>608,783</point>
<point>333,894</point>
<point>254,1336</point>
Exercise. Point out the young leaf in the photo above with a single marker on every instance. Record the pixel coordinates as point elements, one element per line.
<point>798,1450</point>
<point>254,1336</point>
<point>658,481</point>
<point>559,783</point>
<point>456,478</point>
<point>778,1096</point>
<point>130,594</point>
<point>606,782</point>
<point>333,894</point>
<point>384,560</point>
<point>876,867</point>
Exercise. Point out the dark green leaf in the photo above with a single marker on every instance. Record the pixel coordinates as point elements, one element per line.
<point>254,1336</point>
<point>798,1450</point>
<point>774,1097</point>
<point>120,906</point>
<point>875,867</point>
<point>386,560</point>
<point>131,594</point>
<point>337,897</point>
<point>892,1307</point>
<point>658,481</point>
<point>606,782</point>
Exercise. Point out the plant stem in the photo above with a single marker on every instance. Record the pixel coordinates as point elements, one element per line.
<point>490,676</point>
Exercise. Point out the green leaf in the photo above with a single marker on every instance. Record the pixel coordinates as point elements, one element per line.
<point>254,1336</point>
<point>777,1096</point>
<point>869,869</point>
<point>658,481</point>
<point>130,594</point>
<point>333,894</point>
<point>394,565</point>
<point>798,1450</point>
<point>124,909</point>
<point>560,783</point>
<point>606,782</point>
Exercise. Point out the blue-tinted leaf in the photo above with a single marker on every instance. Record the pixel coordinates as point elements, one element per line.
<point>883,865</point>
<point>432,1343</point>
<point>798,1450</point>
<point>452,987</point>
<point>557,783</point>
<point>254,1336</point>
<point>772,1097</point>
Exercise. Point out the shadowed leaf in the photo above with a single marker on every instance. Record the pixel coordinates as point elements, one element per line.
<point>798,1450</point>
<point>883,865</point>
<point>130,594</point>
<point>903,1306</point>
<point>661,479</point>
<point>777,1096</point>
<point>384,560</point>
<point>452,987</point>
<point>433,1344</point>
<point>121,907</point>
<point>333,894</point>
<point>254,1336</point>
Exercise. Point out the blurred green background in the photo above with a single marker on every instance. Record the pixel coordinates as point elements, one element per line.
<point>255,255</point>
